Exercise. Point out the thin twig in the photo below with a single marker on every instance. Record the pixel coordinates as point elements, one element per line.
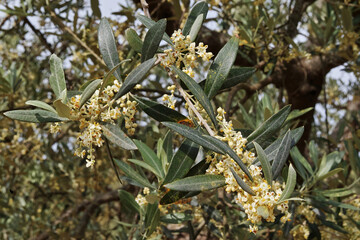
<point>145,7</point>
<point>57,21</point>
<point>191,231</point>
<point>112,160</point>
<point>39,35</point>
<point>188,101</point>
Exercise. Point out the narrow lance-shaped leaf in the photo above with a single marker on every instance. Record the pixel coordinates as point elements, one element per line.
<point>295,153</point>
<point>199,94</point>
<point>135,76</point>
<point>173,196</point>
<point>133,175</point>
<point>134,40</point>
<point>176,217</point>
<point>89,91</point>
<point>115,135</point>
<point>290,184</point>
<point>41,104</point>
<point>282,155</point>
<point>143,165</point>
<point>128,201</point>
<point>196,27</point>
<point>35,116</point>
<point>238,75</point>
<point>158,111</point>
<point>265,164</point>
<point>221,66</point>
<point>167,147</point>
<point>241,183</point>
<point>150,158</point>
<point>269,127</point>
<point>208,142</point>
<point>152,218</point>
<point>198,9</point>
<point>182,161</point>
<point>271,150</point>
<point>57,77</point>
<point>197,183</point>
<point>107,47</point>
<point>149,23</point>
<point>297,113</point>
<point>152,40</point>
<point>329,174</point>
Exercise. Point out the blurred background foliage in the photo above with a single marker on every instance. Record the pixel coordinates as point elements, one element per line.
<point>48,193</point>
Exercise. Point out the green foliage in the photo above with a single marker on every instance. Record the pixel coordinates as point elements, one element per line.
<point>220,174</point>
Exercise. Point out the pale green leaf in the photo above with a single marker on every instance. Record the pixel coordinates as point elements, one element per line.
<point>150,158</point>
<point>290,184</point>
<point>57,77</point>
<point>41,104</point>
<point>221,66</point>
<point>265,164</point>
<point>198,9</point>
<point>89,91</point>
<point>35,116</point>
<point>282,155</point>
<point>134,40</point>
<point>196,27</point>
<point>107,46</point>
<point>197,183</point>
<point>133,175</point>
<point>115,135</point>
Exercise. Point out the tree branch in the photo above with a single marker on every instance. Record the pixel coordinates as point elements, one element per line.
<point>295,16</point>
<point>39,35</point>
<point>88,206</point>
<point>65,28</point>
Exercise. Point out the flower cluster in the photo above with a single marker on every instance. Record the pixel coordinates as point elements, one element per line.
<point>185,52</point>
<point>99,108</point>
<point>170,99</point>
<point>261,205</point>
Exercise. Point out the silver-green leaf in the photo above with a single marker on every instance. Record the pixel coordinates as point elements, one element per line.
<point>221,66</point>
<point>35,116</point>
<point>241,183</point>
<point>89,91</point>
<point>197,183</point>
<point>282,155</point>
<point>199,94</point>
<point>41,104</point>
<point>290,184</point>
<point>152,40</point>
<point>115,135</point>
<point>265,164</point>
<point>207,142</point>
<point>135,76</point>
<point>107,46</point>
<point>57,77</point>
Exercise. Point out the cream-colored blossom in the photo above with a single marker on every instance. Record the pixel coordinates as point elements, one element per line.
<point>184,52</point>
<point>263,204</point>
<point>99,108</point>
